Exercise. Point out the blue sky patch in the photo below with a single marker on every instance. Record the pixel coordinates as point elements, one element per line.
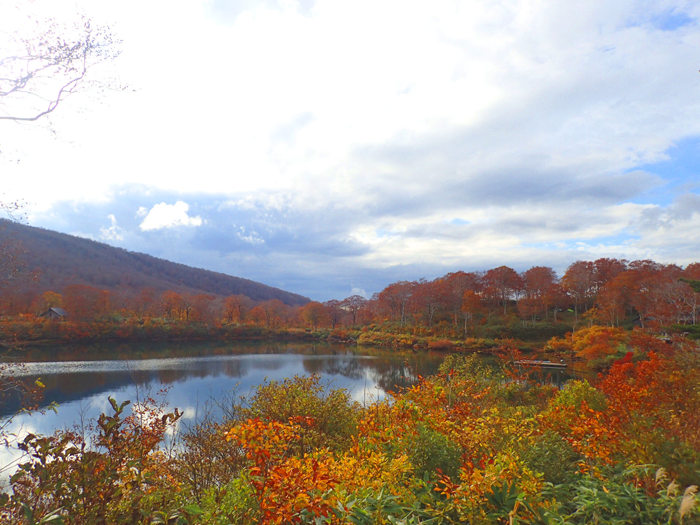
<point>681,171</point>
<point>671,20</point>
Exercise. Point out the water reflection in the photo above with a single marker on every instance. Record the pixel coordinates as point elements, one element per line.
<point>74,376</point>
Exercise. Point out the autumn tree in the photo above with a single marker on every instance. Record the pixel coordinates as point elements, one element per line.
<point>579,283</point>
<point>257,315</point>
<point>428,297</point>
<point>172,305</point>
<point>538,284</point>
<point>671,298</point>
<point>335,311</point>
<point>396,297</point>
<point>691,276</point>
<point>314,313</point>
<point>273,310</point>
<point>503,283</point>
<point>144,303</point>
<point>605,270</point>
<point>353,305</point>
<point>471,305</point>
<point>85,303</point>
<point>288,314</point>
<point>647,276</point>
<point>47,300</point>
<point>529,308</point>
<point>595,343</point>
<point>455,285</point>
<point>614,297</point>
<point>557,298</point>
<point>236,308</point>
<point>200,307</point>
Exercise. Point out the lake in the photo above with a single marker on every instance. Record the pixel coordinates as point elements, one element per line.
<point>80,378</point>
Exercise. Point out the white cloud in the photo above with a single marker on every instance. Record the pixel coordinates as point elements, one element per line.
<point>114,232</point>
<point>169,216</point>
<point>359,291</point>
<point>252,238</point>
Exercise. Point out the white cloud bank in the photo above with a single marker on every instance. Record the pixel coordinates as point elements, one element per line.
<point>346,134</point>
<point>169,216</point>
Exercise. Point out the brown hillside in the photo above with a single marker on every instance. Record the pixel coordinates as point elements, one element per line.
<point>59,260</point>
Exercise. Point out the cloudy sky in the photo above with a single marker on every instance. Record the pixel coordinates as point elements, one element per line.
<point>330,147</point>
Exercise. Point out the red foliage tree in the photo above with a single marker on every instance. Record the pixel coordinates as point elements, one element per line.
<point>456,284</point>
<point>579,283</point>
<point>396,297</point>
<point>85,303</point>
<point>503,284</point>
<point>314,313</point>
<point>428,297</point>
<point>538,284</point>
<point>335,311</point>
<point>353,305</point>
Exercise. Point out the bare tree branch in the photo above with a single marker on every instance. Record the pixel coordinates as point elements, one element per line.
<point>41,70</point>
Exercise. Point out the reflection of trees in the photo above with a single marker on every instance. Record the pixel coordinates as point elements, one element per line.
<point>64,388</point>
<point>558,377</point>
<point>160,350</point>
<point>349,367</point>
<point>391,375</point>
<point>388,372</point>
<point>72,386</point>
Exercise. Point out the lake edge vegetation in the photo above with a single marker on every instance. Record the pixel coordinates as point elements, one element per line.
<point>472,444</point>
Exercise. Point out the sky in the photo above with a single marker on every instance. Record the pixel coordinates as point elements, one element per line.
<point>331,147</point>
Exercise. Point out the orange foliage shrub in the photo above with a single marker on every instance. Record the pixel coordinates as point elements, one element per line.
<point>657,406</point>
<point>556,344</point>
<point>284,486</point>
<point>442,344</point>
<point>598,342</point>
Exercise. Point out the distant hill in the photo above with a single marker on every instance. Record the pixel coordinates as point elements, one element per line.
<point>62,259</point>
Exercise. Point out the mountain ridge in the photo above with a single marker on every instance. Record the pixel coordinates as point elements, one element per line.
<point>62,259</point>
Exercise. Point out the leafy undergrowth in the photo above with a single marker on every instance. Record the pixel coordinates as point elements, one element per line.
<point>468,445</point>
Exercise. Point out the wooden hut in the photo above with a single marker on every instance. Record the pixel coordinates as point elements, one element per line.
<point>55,313</point>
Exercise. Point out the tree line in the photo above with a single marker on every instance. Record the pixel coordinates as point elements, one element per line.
<point>605,291</point>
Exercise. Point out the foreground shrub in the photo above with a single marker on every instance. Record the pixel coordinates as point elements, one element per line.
<point>434,455</point>
<point>68,480</point>
<point>333,411</point>
<point>552,456</point>
<point>206,460</point>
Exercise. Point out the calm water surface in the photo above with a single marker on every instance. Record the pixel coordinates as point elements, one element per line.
<point>80,379</point>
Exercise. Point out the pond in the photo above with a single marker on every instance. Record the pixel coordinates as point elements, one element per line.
<point>80,379</point>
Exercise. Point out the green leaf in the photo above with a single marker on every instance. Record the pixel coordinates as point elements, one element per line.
<point>193,509</point>
<point>54,517</point>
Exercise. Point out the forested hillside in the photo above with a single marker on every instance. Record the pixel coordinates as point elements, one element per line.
<point>57,260</point>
